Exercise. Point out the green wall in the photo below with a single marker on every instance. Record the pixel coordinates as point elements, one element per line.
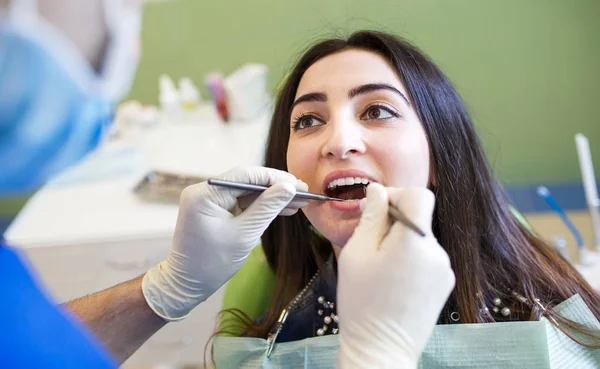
<point>528,69</point>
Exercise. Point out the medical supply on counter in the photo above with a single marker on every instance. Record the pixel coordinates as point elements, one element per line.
<point>189,94</point>
<point>544,193</point>
<point>164,186</point>
<point>394,212</point>
<point>169,99</point>
<point>214,84</point>
<point>246,91</point>
<point>132,116</point>
<point>589,183</point>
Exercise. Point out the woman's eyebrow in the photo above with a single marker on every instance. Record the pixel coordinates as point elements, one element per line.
<point>313,96</point>
<point>370,87</point>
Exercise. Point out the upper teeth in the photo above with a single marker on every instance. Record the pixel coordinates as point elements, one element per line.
<point>348,181</point>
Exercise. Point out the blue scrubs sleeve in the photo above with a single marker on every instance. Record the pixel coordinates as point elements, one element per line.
<point>37,333</point>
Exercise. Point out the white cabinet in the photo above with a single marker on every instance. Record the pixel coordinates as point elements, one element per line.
<point>74,271</point>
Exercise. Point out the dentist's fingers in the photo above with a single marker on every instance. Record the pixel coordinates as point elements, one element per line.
<point>288,212</point>
<point>267,206</point>
<point>292,208</point>
<point>417,203</point>
<point>230,197</point>
<point>374,221</point>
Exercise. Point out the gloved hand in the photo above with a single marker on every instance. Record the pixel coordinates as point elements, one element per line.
<point>392,283</point>
<point>213,237</point>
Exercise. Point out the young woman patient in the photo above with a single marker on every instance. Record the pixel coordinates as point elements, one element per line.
<point>373,108</point>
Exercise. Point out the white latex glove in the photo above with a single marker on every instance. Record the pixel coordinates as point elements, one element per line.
<point>213,237</point>
<point>392,283</point>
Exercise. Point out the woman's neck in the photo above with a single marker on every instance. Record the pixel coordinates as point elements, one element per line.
<point>336,250</point>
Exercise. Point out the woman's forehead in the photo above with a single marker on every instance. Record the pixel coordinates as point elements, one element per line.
<point>345,70</point>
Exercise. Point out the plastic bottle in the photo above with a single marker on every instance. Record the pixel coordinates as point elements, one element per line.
<point>189,94</point>
<point>169,98</point>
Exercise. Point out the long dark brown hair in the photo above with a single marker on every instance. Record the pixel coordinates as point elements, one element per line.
<point>492,254</point>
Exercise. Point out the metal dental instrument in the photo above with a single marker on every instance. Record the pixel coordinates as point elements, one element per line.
<point>394,212</point>
<point>252,187</point>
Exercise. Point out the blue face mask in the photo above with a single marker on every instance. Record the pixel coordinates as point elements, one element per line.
<point>53,108</point>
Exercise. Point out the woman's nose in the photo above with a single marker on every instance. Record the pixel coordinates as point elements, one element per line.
<point>344,139</point>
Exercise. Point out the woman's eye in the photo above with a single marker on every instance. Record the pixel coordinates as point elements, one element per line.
<point>379,112</point>
<point>306,121</point>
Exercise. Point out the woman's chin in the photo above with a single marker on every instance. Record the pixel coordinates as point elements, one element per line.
<point>337,227</point>
<point>339,233</point>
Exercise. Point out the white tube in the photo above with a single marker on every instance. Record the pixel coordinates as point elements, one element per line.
<point>589,183</point>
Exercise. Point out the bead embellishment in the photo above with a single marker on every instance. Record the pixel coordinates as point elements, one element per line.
<point>504,310</point>
<point>330,318</point>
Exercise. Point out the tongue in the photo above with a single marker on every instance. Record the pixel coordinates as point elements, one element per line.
<point>353,192</point>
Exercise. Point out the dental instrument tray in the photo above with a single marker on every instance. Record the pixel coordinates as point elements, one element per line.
<point>163,186</point>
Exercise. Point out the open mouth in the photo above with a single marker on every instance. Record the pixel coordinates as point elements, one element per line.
<point>351,188</point>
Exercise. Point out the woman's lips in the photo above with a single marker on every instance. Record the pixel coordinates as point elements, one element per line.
<point>348,205</point>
